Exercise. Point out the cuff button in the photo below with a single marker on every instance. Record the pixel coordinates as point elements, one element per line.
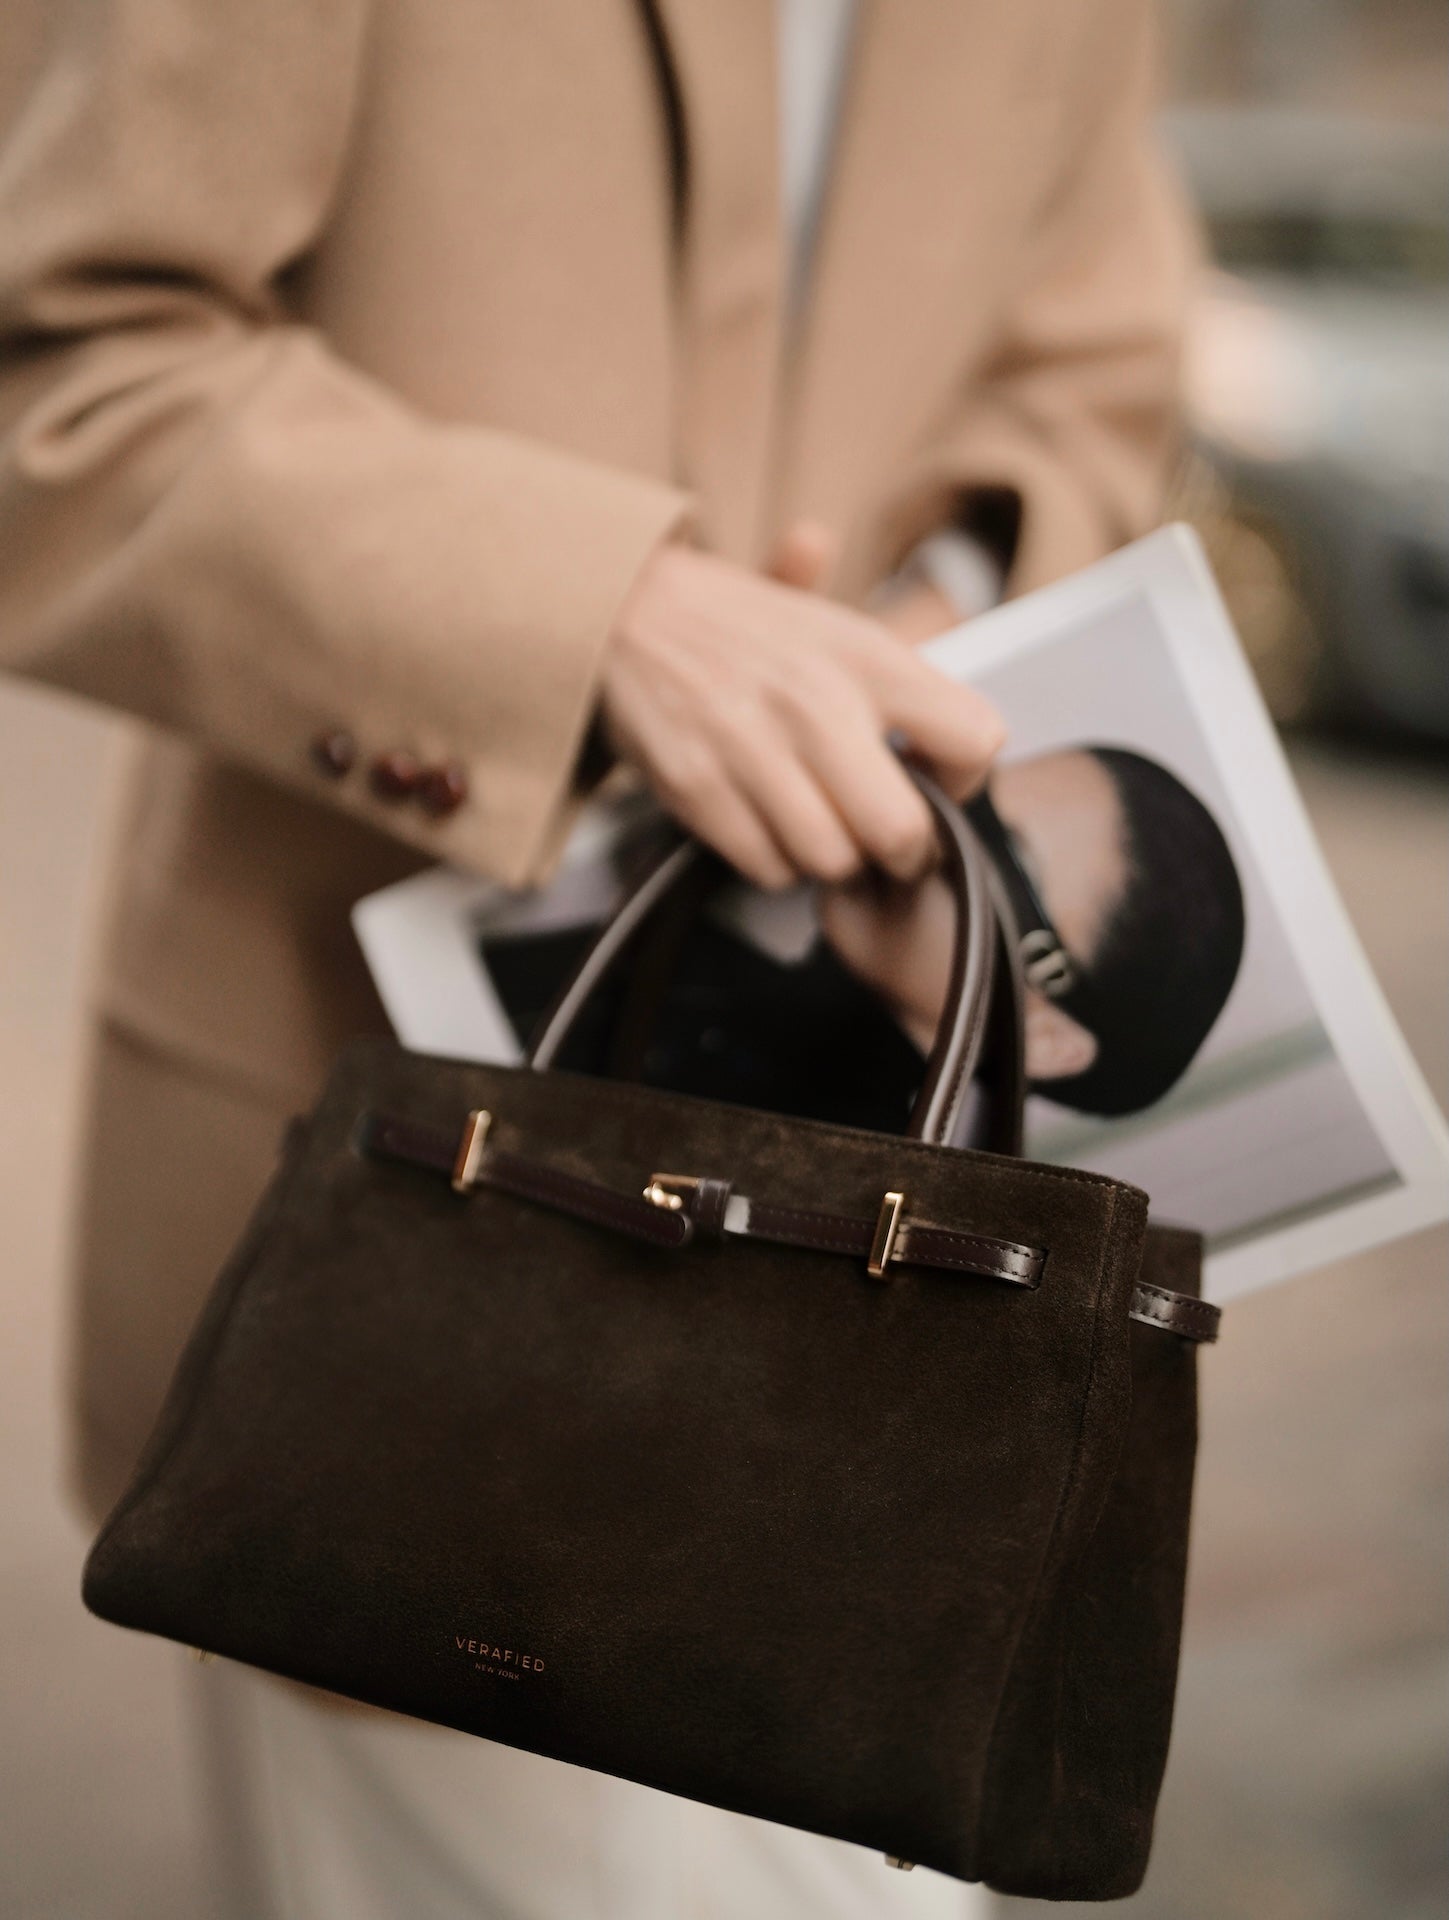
<point>394,776</point>
<point>442,790</point>
<point>334,752</point>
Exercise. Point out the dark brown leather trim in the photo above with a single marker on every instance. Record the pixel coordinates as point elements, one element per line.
<point>390,1138</point>
<point>704,1203</point>
<point>965,1013</point>
<point>802,1227</point>
<point>387,1137</point>
<point>587,1199</point>
<point>917,1244</point>
<point>614,940</point>
<point>1176,1312</point>
<point>707,1204</point>
<point>945,1247</point>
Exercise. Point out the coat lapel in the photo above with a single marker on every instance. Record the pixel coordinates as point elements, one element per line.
<point>921,174</point>
<point>935,131</point>
<point>732,283</point>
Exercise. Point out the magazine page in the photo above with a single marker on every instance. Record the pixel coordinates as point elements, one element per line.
<point>1202,1020</point>
<point>1145,777</point>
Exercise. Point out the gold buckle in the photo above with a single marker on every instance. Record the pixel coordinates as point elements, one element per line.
<point>887,1226</point>
<point>470,1149</point>
<point>668,1190</point>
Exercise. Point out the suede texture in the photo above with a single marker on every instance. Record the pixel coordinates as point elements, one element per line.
<point>897,1563</point>
<point>1082,1741</point>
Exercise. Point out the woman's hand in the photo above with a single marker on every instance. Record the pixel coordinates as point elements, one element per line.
<point>918,612</point>
<point>897,939</point>
<point>759,713</point>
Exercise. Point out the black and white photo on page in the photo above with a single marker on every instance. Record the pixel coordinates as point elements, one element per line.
<point>1220,1041</point>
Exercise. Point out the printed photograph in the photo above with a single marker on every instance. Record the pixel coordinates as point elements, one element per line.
<point>1198,1016</point>
<point>1179,1044</point>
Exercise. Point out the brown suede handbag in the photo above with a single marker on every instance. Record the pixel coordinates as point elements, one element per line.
<point>834,1477</point>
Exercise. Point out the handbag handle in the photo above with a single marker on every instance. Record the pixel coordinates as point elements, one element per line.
<point>964,1022</point>
<point>997,1118</point>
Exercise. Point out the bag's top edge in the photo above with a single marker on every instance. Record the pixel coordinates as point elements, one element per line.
<point>359,1053</point>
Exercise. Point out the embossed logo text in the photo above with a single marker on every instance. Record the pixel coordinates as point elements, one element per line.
<point>492,1657</point>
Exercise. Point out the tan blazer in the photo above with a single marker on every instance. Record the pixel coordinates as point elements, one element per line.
<point>354,354</point>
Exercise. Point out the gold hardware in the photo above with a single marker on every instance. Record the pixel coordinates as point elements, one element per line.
<point>664,1190</point>
<point>470,1149</point>
<point>887,1226</point>
<point>895,1860</point>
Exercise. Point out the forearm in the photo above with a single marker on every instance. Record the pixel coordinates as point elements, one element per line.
<point>210,520</point>
<point>274,547</point>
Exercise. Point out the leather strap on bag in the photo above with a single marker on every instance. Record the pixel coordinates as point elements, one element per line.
<point>981,1021</point>
<point>674,1209</point>
<point>969,996</point>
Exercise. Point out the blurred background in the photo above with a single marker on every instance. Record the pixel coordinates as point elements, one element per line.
<point>1310,1773</point>
<point>1313,136</point>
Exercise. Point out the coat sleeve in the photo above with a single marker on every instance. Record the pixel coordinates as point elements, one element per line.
<point>209,519</point>
<point>1067,433</point>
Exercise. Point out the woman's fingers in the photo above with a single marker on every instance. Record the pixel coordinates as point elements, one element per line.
<point>783,789</point>
<point>700,790</point>
<point>725,820</point>
<point>872,794</point>
<point>760,715</point>
<point>953,727</point>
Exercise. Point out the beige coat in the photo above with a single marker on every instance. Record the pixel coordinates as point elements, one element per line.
<point>354,354</point>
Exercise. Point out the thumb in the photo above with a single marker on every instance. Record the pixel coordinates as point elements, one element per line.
<point>803,555</point>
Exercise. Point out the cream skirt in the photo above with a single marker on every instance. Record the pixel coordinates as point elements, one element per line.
<point>317,1813</point>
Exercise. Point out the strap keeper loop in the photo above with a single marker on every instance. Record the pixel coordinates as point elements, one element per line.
<point>470,1149</point>
<point>887,1226</point>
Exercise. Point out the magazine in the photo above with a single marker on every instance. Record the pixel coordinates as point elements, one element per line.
<point>1203,1021</point>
